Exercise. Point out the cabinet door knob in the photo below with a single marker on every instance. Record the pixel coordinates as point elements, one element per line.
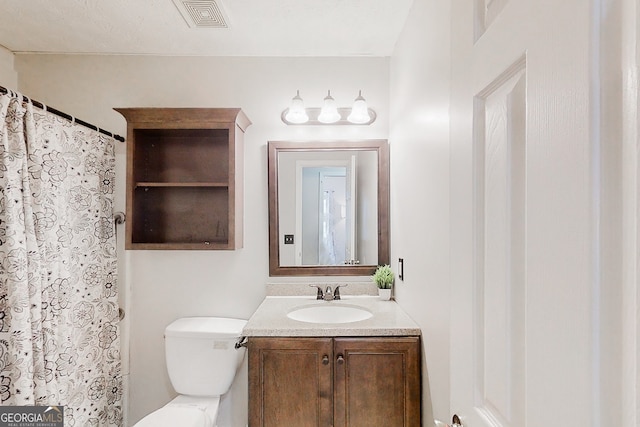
<point>340,359</point>
<point>325,359</point>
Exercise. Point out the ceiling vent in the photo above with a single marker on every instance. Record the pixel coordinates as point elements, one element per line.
<point>202,14</point>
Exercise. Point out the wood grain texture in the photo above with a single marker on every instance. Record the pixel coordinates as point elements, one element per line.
<point>289,385</point>
<point>378,379</point>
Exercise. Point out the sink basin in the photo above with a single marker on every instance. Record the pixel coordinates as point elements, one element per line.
<point>329,313</point>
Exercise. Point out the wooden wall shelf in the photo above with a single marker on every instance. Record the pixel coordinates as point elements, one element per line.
<point>184,178</point>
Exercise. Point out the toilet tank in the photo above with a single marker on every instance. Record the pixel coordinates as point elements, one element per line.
<point>201,356</point>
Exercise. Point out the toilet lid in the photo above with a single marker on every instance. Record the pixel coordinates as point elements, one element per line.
<point>172,416</point>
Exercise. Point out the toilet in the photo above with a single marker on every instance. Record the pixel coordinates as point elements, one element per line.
<point>202,360</point>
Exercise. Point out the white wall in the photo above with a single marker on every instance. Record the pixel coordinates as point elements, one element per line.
<point>8,75</point>
<point>419,139</point>
<point>165,285</point>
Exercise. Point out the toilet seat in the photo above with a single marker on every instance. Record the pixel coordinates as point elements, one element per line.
<point>184,411</point>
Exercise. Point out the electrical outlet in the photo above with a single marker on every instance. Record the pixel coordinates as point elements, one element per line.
<point>288,239</point>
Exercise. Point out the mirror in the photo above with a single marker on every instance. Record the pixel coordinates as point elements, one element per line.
<point>328,207</point>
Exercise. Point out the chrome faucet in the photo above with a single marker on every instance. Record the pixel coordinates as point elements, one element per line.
<point>328,294</point>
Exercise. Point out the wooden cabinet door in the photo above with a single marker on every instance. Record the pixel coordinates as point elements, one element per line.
<point>290,382</point>
<point>377,382</point>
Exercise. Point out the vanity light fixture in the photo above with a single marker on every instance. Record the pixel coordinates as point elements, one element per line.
<point>329,114</point>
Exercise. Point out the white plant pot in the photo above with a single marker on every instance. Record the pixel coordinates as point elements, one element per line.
<point>384,294</point>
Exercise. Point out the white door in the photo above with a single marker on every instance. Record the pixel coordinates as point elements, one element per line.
<point>338,214</point>
<point>527,277</point>
<point>325,218</point>
<point>332,229</point>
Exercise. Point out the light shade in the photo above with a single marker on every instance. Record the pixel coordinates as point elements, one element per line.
<point>359,111</point>
<point>329,112</point>
<point>297,113</point>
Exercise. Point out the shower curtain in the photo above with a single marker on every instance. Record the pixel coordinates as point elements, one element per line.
<point>327,241</point>
<point>59,337</point>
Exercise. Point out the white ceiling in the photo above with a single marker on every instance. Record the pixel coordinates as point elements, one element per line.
<point>156,27</point>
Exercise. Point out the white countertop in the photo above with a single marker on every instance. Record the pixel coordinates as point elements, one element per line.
<point>270,319</point>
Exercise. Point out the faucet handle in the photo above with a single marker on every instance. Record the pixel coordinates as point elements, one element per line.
<point>336,291</point>
<point>320,294</point>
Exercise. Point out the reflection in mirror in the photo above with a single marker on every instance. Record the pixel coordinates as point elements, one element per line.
<point>328,207</point>
<point>328,204</point>
<point>325,218</point>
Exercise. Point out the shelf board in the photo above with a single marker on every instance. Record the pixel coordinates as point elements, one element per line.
<point>182,184</point>
<point>213,245</point>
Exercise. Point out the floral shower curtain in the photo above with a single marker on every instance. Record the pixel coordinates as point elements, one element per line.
<point>59,337</point>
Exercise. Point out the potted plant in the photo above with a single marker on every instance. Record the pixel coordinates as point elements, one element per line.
<point>383,277</point>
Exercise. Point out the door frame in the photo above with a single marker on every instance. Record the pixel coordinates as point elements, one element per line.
<point>630,53</point>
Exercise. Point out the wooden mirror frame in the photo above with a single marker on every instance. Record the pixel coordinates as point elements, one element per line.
<point>381,146</point>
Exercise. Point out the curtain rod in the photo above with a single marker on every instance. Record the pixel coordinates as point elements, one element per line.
<point>66,116</point>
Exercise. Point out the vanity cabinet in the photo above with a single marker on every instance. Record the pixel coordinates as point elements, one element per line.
<point>184,178</point>
<point>341,382</point>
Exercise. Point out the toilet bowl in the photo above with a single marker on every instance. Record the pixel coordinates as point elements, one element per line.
<point>184,411</point>
<point>202,360</point>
